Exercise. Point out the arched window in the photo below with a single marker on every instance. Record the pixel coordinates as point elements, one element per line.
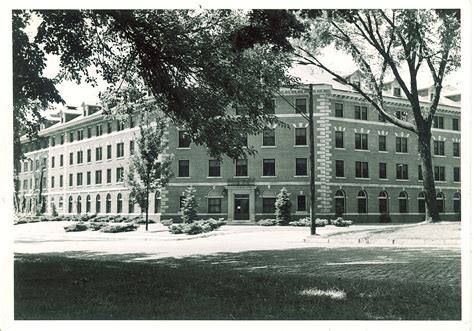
<point>457,202</point>
<point>362,202</point>
<point>131,205</point>
<point>69,208</point>
<point>340,202</point>
<point>403,202</point>
<point>61,204</point>
<point>79,204</point>
<point>119,203</point>
<point>108,203</point>
<point>97,203</point>
<point>440,200</point>
<point>421,203</point>
<point>383,202</point>
<point>88,204</point>
<point>157,202</point>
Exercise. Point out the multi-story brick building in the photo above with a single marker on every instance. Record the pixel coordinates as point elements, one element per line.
<point>366,169</point>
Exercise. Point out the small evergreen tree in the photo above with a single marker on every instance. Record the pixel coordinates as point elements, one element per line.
<point>283,207</point>
<point>190,205</point>
<point>54,212</point>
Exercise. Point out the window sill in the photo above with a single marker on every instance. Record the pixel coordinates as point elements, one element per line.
<point>212,177</point>
<point>268,176</point>
<point>401,180</point>
<point>337,177</point>
<point>441,181</point>
<point>362,150</point>
<point>120,157</point>
<point>241,177</point>
<point>298,146</point>
<point>301,212</point>
<point>435,155</point>
<point>270,146</point>
<point>363,178</point>
<point>402,153</point>
<point>386,152</point>
<point>301,176</point>
<point>456,157</point>
<point>340,148</point>
<point>383,178</point>
<point>183,177</point>
<point>185,148</point>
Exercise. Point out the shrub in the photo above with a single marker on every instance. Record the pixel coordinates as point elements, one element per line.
<point>190,206</point>
<point>76,227</point>
<point>115,228</point>
<point>167,222</point>
<point>283,207</point>
<point>196,227</point>
<point>341,222</point>
<point>307,222</point>
<point>385,218</point>
<point>141,220</point>
<point>267,222</point>
<point>54,211</point>
<point>176,228</point>
<point>94,226</point>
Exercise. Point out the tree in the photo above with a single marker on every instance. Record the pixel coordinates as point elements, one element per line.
<point>195,63</point>
<point>380,42</point>
<point>283,207</point>
<point>189,205</point>
<point>150,166</point>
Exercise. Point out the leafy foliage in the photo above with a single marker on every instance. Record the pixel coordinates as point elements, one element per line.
<point>283,207</point>
<point>267,222</point>
<point>190,205</point>
<point>197,227</point>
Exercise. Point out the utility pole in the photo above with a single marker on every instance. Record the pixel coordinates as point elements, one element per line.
<point>312,186</point>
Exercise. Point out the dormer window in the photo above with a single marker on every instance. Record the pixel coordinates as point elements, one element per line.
<point>397,92</point>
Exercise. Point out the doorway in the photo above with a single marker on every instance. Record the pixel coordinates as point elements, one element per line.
<point>241,207</point>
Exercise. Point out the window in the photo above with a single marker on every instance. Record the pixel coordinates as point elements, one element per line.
<point>214,168</point>
<point>438,122</point>
<point>340,202</point>
<point>183,168</point>
<point>89,132</point>
<point>339,168</point>
<point>109,152</point>
<point>339,110</point>
<point>301,167</point>
<point>53,141</point>
<point>402,171</point>
<point>362,202</point>
<point>401,145</point>
<point>397,92</point>
<point>269,107</point>
<point>268,167</point>
<point>362,169</point>
<point>131,205</point>
<point>438,147</point>
<point>300,136</point>
<point>301,203</point>
<point>89,155</point>
<point>301,106</point>
<point>80,134</point>
<point>157,202</point>
<point>61,181</point>
<point>61,139</point>
<point>52,181</point>
<point>268,137</point>
<point>108,204</point>
<point>132,147</point>
<point>439,174</point>
<point>361,141</point>
<point>241,167</point>
<point>383,202</point>
<point>382,143</point>
<point>132,122</point>
<point>120,150</point>
<point>420,172</point>
<point>119,174</point>
<point>360,113</point>
<point>120,125</point>
<point>455,124</point>
<point>403,202</point>
<point>88,178</point>
<point>88,204</point>
<point>98,153</point>
<point>243,140</point>
<point>456,149</point>
<point>213,205</point>
<point>339,139</point>
<point>71,158</point>
<point>109,127</point>
<point>60,203</point>
<point>98,130</point>
<point>79,179</point>
<point>268,205</point>
<point>80,157</point>
<point>401,115</point>
<point>71,178</point>
<point>69,205</point>
<point>52,162</point>
<point>97,203</point>
<point>71,137</point>
<point>109,176</point>
<point>383,170</point>
<point>457,203</point>
<point>98,176</point>
<point>79,204</point>
<point>119,202</point>
<point>25,184</point>
<point>184,141</point>
<point>440,200</point>
<point>421,203</point>
<point>457,174</point>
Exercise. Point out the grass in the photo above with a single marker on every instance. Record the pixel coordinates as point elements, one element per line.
<point>313,283</point>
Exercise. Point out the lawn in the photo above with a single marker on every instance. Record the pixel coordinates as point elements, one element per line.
<point>311,283</point>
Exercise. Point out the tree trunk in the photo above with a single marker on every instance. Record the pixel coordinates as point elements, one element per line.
<point>424,147</point>
<point>312,186</point>
<point>146,210</point>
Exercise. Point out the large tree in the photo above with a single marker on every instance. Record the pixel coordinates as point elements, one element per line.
<point>396,44</point>
<point>195,63</point>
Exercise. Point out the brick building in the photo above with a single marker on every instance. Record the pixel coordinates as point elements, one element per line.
<point>366,169</point>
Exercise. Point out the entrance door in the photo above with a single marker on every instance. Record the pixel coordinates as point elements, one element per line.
<point>241,207</point>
